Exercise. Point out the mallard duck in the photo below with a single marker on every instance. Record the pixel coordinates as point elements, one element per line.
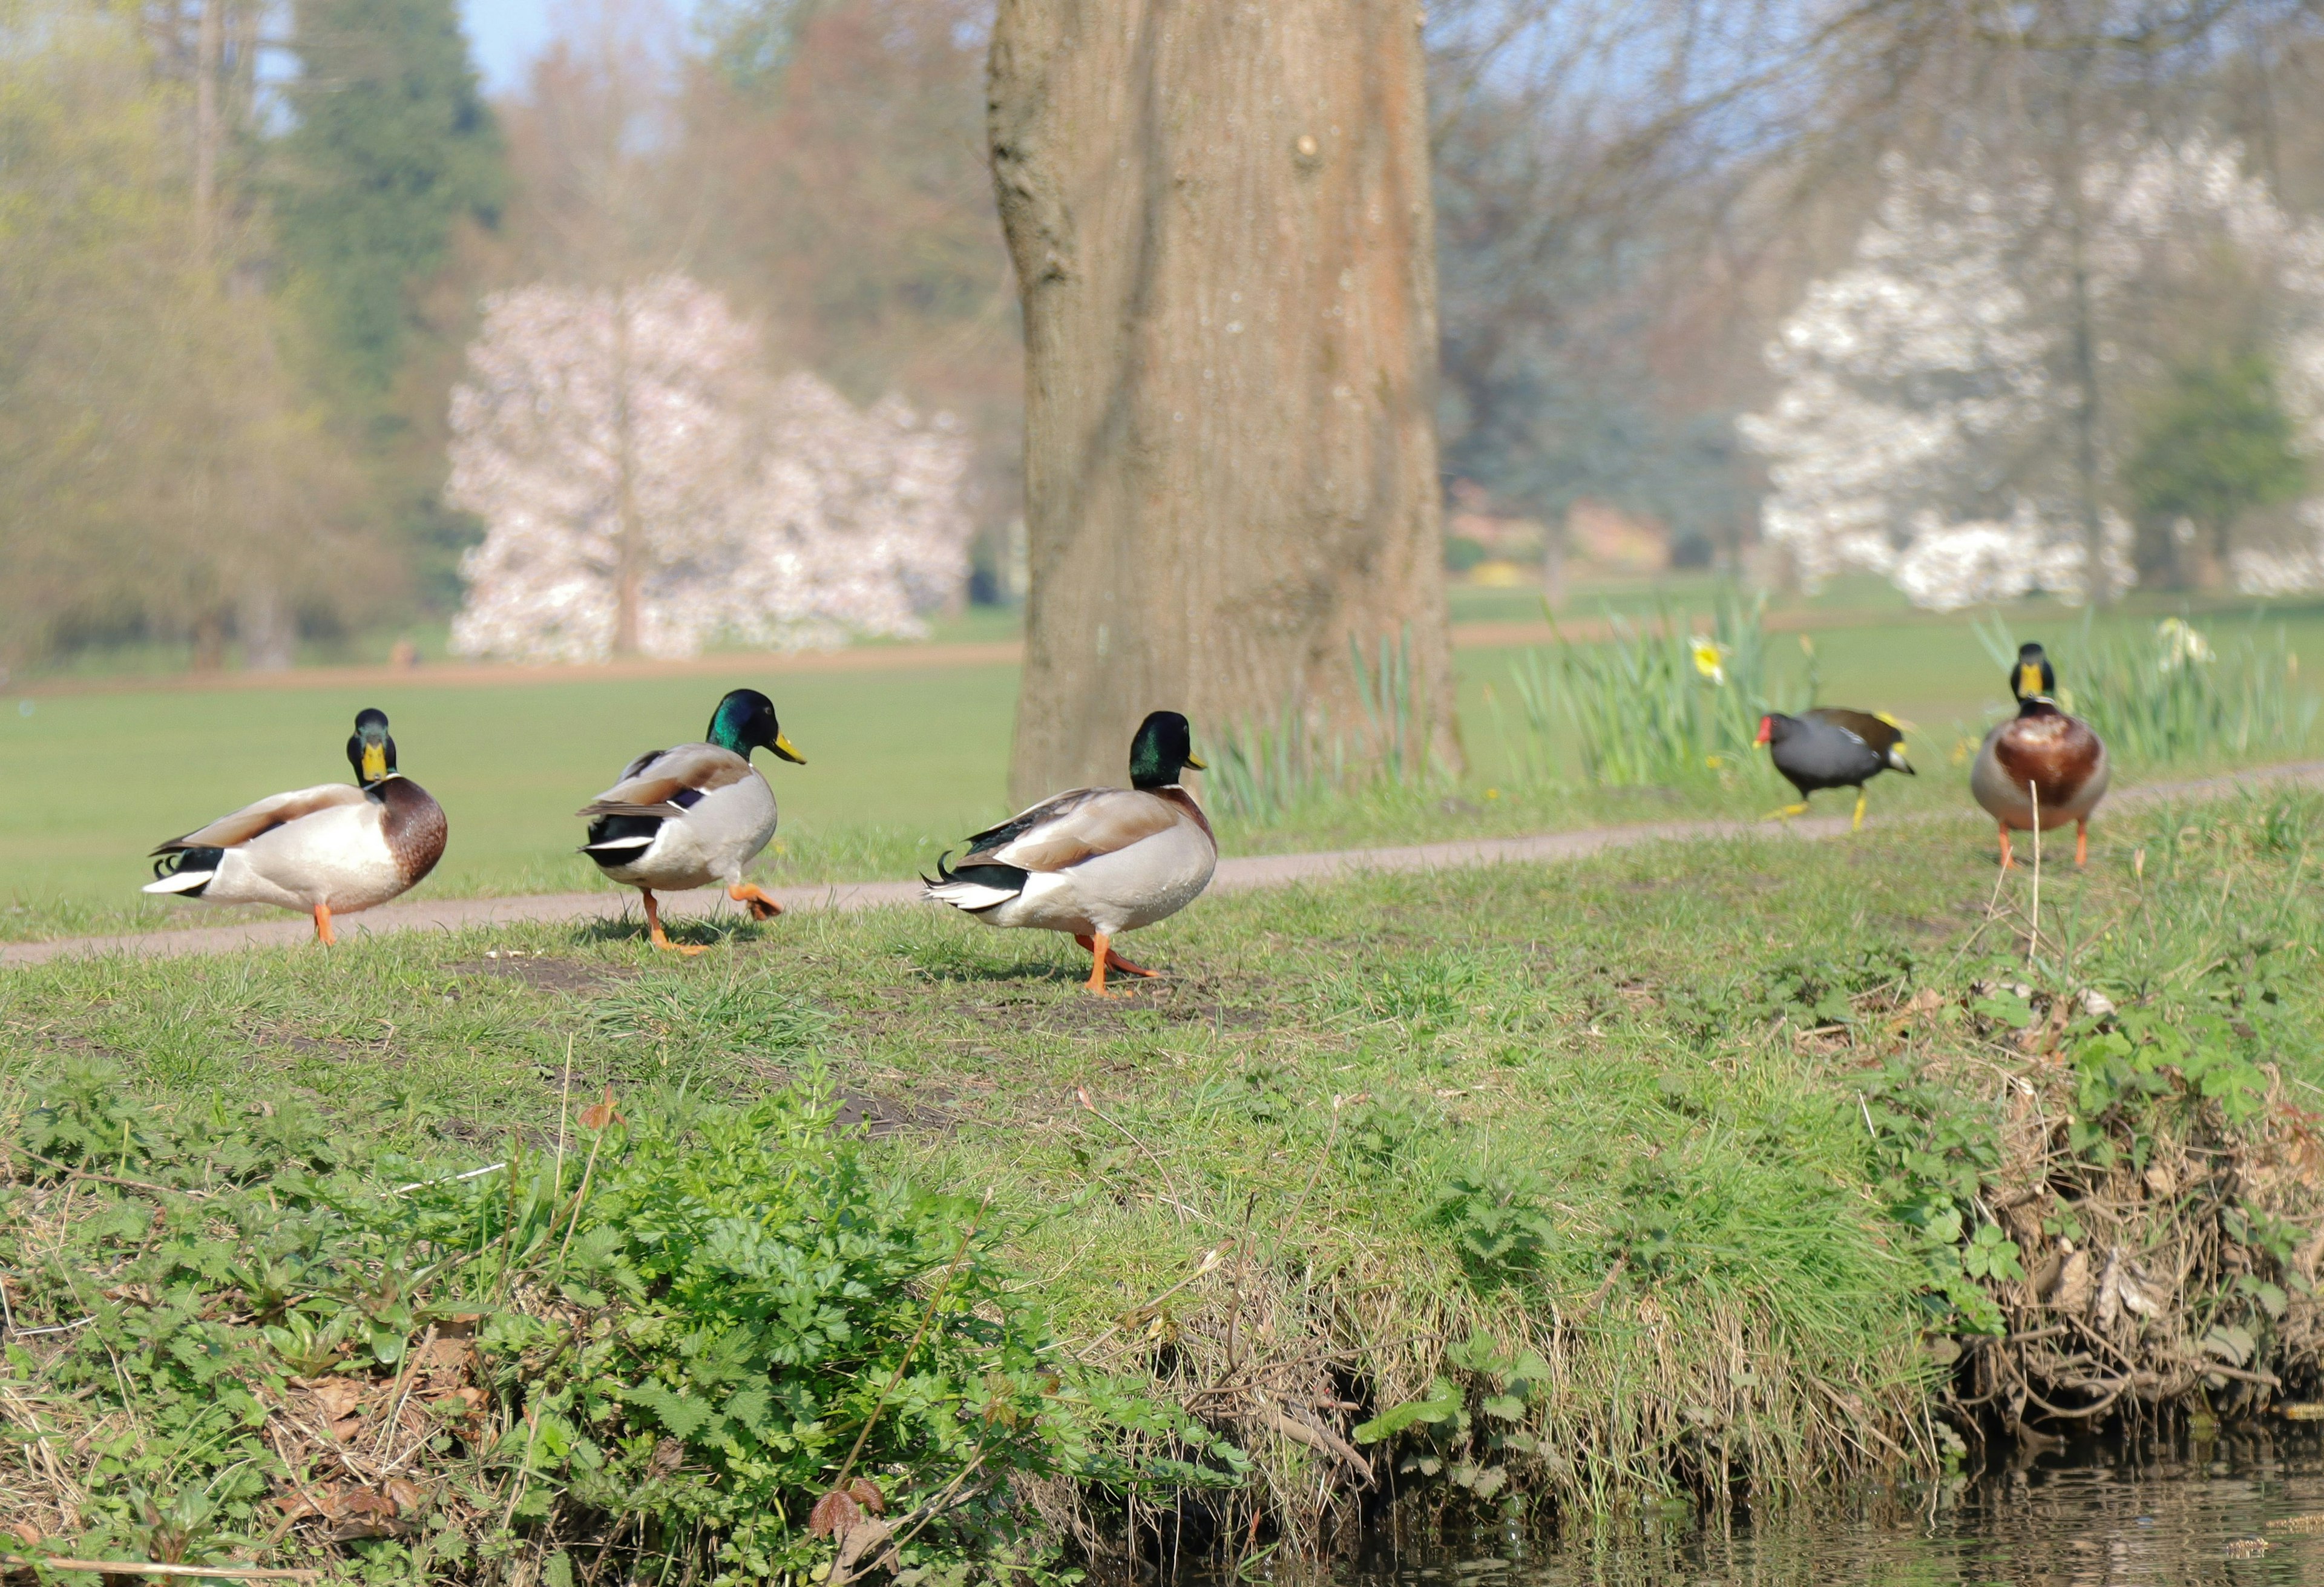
<point>694,815</point>
<point>1829,747</point>
<point>2039,760</point>
<point>1095,862</point>
<point>327,851</point>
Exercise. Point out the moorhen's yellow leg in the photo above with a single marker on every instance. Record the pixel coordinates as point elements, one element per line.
<point>1099,951</point>
<point>1787,812</point>
<point>323,932</point>
<point>2008,859</point>
<point>760,905</point>
<point>2081,841</point>
<point>1858,825</point>
<point>654,933</point>
<point>1116,961</point>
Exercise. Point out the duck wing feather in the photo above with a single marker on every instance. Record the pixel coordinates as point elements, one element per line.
<point>1064,831</point>
<point>654,785</point>
<point>252,820</point>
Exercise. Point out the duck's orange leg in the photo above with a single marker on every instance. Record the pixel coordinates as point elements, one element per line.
<point>2081,841</point>
<point>323,932</point>
<point>2008,859</point>
<point>760,905</point>
<point>654,933</point>
<point>1116,961</point>
<point>1100,952</point>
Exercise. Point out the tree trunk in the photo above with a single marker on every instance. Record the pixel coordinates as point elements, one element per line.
<point>629,575</point>
<point>270,639</point>
<point>210,39</point>
<point>1221,228</point>
<point>1552,560</point>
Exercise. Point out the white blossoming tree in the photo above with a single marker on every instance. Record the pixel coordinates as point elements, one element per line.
<point>1930,425</point>
<point>646,490</point>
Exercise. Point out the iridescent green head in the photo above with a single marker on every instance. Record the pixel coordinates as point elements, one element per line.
<point>1164,747</point>
<point>746,721</point>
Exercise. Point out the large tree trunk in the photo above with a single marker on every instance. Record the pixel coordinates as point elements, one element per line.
<point>629,569</point>
<point>1220,216</point>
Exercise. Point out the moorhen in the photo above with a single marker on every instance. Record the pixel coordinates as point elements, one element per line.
<point>1829,747</point>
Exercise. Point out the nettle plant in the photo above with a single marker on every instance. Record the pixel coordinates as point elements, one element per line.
<point>717,1341</point>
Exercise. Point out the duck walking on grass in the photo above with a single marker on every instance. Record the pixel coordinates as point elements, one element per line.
<point>325,851</point>
<point>1096,862</point>
<point>694,815</point>
<point>1832,748</point>
<point>2040,760</point>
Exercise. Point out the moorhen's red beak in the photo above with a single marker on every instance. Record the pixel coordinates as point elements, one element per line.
<point>1766,730</point>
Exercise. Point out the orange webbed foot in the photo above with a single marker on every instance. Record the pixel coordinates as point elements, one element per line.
<point>1115,961</point>
<point>660,939</point>
<point>760,905</point>
<point>323,932</point>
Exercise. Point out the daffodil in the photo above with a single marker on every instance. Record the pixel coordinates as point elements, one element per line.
<point>2182,643</point>
<point>1711,661</point>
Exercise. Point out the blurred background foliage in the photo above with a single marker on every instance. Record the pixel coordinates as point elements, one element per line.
<point>245,242</point>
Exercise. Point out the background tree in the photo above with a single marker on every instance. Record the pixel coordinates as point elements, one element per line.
<point>2216,446</point>
<point>390,154</point>
<point>1935,422</point>
<point>1220,223</point>
<point>162,474</point>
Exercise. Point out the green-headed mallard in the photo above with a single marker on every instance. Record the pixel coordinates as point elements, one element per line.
<point>1829,747</point>
<point>1096,862</point>
<point>2039,760</point>
<point>694,815</point>
<point>327,851</point>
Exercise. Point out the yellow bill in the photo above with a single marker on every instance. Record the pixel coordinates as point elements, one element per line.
<point>784,748</point>
<point>374,762</point>
<point>2029,680</point>
<point>1195,763</point>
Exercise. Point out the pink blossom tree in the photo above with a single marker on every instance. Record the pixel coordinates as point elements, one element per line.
<point>647,490</point>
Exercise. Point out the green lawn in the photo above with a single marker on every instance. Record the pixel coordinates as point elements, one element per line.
<point>900,762</point>
<point>1691,1169</point>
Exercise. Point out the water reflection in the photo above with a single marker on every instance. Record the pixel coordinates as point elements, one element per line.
<point>2243,1508</point>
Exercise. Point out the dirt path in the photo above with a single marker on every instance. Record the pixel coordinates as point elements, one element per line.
<point>1234,875</point>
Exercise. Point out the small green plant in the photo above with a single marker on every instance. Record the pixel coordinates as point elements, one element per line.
<point>1499,1223</point>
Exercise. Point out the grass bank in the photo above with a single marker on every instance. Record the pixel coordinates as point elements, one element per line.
<point>1701,1172</point>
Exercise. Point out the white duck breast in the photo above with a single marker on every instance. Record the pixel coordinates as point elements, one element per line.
<point>704,834</point>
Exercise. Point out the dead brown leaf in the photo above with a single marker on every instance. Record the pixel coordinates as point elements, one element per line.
<point>336,1398</point>
<point>834,1514</point>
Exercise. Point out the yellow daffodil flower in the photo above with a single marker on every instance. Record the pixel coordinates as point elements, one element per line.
<point>1711,661</point>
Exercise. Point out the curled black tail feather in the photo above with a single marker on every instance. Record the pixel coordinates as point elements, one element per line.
<point>178,861</point>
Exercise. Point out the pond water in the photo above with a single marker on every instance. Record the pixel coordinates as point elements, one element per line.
<point>2245,1509</point>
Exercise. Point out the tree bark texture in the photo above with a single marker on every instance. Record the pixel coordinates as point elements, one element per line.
<point>1220,216</point>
